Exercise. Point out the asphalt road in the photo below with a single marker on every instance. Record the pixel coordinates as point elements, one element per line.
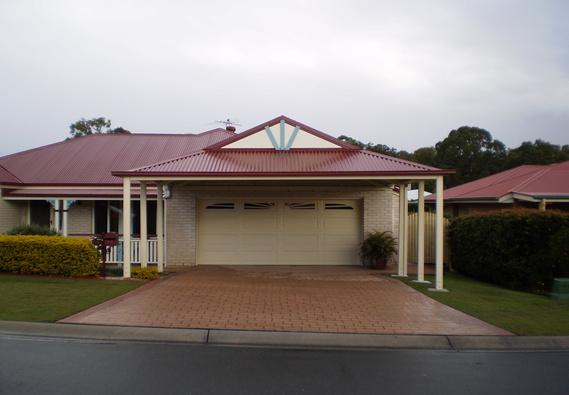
<point>59,366</point>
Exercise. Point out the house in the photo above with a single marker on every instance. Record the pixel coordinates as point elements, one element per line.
<point>281,193</point>
<point>528,186</point>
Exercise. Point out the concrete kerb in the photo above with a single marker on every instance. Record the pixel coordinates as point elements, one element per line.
<point>284,339</point>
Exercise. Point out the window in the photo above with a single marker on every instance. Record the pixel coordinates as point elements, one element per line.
<point>107,214</point>
<point>301,206</point>
<point>150,217</point>
<point>40,213</point>
<point>337,206</point>
<point>101,219</point>
<point>258,206</point>
<point>220,206</point>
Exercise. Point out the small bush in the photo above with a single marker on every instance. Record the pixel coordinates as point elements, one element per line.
<point>377,248</point>
<point>513,248</point>
<point>32,230</point>
<point>145,273</point>
<point>48,255</point>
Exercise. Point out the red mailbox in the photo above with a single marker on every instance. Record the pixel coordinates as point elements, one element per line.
<point>103,241</point>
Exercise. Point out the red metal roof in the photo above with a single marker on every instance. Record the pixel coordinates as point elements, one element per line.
<point>7,177</point>
<point>539,181</point>
<point>297,162</point>
<point>89,160</point>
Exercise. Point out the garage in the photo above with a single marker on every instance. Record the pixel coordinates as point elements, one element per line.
<point>278,232</point>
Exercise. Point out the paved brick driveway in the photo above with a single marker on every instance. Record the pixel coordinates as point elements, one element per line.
<point>314,299</point>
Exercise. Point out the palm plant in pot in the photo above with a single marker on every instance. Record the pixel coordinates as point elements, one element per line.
<point>377,249</point>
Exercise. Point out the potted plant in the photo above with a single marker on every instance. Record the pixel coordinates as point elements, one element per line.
<point>377,249</point>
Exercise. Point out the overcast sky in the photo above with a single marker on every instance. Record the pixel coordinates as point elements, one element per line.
<point>397,73</point>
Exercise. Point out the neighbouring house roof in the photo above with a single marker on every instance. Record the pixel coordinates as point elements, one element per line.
<point>89,160</point>
<point>260,154</point>
<point>531,181</point>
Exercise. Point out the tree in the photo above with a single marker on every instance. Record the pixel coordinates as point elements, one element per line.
<point>426,156</point>
<point>472,152</point>
<point>100,125</point>
<point>379,148</point>
<point>537,153</point>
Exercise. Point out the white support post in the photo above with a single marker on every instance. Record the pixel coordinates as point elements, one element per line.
<point>56,216</point>
<point>406,230</point>
<point>65,208</point>
<point>160,226</point>
<point>421,236</point>
<point>126,227</point>
<point>439,285</point>
<point>401,242</point>
<point>143,246</point>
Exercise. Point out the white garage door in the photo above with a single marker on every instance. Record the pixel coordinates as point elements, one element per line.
<point>278,232</point>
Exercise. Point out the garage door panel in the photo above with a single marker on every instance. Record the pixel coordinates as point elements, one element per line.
<point>259,222</point>
<point>285,232</point>
<point>300,223</point>
<point>258,242</point>
<point>301,242</point>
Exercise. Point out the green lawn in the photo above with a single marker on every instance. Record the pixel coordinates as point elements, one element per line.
<point>518,312</point>
<point>31,298</point>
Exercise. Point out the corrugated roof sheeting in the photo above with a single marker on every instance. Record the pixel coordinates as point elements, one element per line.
<point>533,180</point>
<point>90,159</point>
<point>257,162</point>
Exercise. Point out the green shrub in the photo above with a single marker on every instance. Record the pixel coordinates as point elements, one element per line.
<point>145,273</point>
<point>48,255</point>
<point>510,248</point>
<point>559,250</point>
<point>32,230</point>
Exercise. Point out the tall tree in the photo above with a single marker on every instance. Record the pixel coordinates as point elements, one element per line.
<point>472,152</point>
<point>85,127</point>
<point>537,153</point>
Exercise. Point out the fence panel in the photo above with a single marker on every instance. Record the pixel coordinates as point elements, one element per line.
<point>430,237</point>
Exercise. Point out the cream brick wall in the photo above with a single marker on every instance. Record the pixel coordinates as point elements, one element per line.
<point>377,213</point>
<point>80,219</point>
<point>12,213</point>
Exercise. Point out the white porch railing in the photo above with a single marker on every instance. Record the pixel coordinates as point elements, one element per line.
<point>115,254</point>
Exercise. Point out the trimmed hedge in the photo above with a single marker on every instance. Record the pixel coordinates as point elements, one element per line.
<point>48,255</point>
<point>32,230</point>
<point>519,249</point>
<point>145,273</point>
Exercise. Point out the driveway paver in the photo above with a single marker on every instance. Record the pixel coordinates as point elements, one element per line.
<point>284,298</point>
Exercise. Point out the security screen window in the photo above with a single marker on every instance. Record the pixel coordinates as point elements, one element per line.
<point>40,213</point>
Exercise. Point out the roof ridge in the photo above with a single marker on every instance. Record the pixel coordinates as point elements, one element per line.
<point>543,170</point>
<point>402,161</point>
<point>10,173</point>
<point>186,156</point>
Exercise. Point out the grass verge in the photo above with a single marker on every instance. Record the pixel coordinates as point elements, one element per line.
<point>31,298</point>
<point>519,312</point>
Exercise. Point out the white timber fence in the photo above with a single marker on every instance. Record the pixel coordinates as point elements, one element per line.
<point>430,237</point>
<point>115,254</point>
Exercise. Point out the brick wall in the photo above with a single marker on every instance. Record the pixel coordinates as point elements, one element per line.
<point>378,211</point>
<point>12,213</point>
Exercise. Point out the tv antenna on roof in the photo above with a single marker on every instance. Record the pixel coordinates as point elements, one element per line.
<point>229,124</point>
